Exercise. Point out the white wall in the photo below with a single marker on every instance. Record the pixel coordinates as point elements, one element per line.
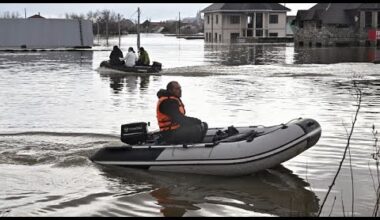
<point>280,27</point>
<point>44,33</point>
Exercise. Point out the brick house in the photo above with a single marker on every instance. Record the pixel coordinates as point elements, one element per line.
<point>337,24</point>
<point>227,22</point>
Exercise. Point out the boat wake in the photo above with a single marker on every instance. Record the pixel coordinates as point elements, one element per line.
<point>57,149</point>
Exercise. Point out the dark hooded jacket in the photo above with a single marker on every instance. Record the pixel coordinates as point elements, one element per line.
<point>115,55</point>
<point>170,107</point>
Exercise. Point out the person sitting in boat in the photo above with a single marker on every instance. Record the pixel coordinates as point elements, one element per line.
<point>175,127</point>
<point>130,58</point>
<point>143,58</point>
<point>115,56</point>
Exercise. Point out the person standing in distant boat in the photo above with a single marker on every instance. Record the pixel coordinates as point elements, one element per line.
<point>115,56</point>
<point>143,58</point>
<point>175,127</point>
<point>130,58</point>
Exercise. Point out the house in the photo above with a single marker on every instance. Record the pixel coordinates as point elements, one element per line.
<point>157,27</point>
<point>36,16</point>
<point>338,24</point>
<point>39,32</point>
<point>228,22</point>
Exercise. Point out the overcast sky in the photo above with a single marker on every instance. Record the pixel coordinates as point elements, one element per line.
<point>153,11</point>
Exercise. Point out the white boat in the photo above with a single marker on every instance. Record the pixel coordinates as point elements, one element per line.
<point>243,151</point>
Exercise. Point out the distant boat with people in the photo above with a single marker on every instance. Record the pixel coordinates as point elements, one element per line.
<point>156,67</point>
<point>140,66</point>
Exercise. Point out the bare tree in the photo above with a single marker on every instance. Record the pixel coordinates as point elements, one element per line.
<point>9,15</point>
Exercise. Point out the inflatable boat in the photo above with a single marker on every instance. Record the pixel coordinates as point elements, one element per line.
<point>156,67</point>
<point>230,151</point>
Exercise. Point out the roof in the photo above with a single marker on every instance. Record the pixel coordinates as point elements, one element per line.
<point>370,6</point>
<point>36,16</point>
<point>335,13</point>
<point>241,7</point>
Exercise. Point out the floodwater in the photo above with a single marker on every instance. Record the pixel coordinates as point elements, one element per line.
<point>57,109</point>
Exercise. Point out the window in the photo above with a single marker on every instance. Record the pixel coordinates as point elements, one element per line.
<point>250,21</point>
<point>259,33</point>
<point>208,19</point>
<point>273,34</point>
<point>220,38</point>
<point>368,19</point>
<point>259,20</point>
<point>249,33</point>
<point>234,37</point>
<point>235,19</point>
<point>378,20</point>
<point>216,37</point>
<point>273,19</point>
<point>216,19</point>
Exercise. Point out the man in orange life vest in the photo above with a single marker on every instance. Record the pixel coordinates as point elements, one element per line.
<point>175,127</point>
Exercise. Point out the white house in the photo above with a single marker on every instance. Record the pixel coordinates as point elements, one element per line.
<point>38,32</point>
<point>226,22</point>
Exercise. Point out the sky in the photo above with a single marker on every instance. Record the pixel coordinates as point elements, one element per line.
<point>152,11</point>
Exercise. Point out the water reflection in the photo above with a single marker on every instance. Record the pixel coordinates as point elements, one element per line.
<point>47,57</point>
<point>259,54</point>
<point>119,82</point>
<point>329,55</point>
<point>274,191</point>
<point>238,54</point>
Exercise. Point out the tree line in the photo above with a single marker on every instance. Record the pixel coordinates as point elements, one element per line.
<point>8,15</point>
<point>103,20</point>
<point>106,19</point>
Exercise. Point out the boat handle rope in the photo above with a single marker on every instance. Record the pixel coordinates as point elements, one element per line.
<point>253,134</point>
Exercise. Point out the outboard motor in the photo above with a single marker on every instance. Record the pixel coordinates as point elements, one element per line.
<point>157,66</point>
<point>104,63</point>
<point>134,133</point>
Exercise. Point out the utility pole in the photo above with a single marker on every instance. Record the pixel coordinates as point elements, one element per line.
<point>25,12</point>
<point>97,25</point>
<point>118,18</point>
<point>179,24</point>
<point>138,29</point>
<point>107,30</point>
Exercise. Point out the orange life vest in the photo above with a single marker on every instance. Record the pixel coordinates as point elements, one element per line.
<point>164,121</point>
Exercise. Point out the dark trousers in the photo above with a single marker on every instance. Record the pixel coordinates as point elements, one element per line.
<point>117,62</point>
<point>140,63</point>
<point>186,134</point>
